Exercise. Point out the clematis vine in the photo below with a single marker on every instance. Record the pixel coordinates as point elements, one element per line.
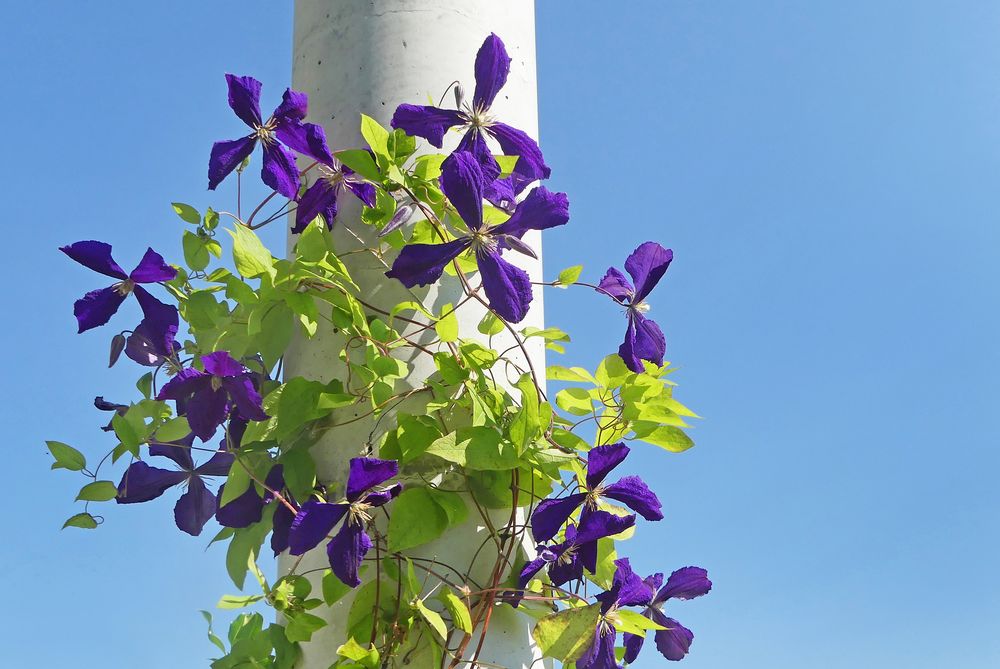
<point>632,491</point>
<point>507,287</point>
<point>315,520</point>
<point>643,339</point>
<point>142,482</point>
<point>627,589</point>
<point>211,394</point>
<point>674,641</point>
<point>248,509</point>
<point>98,306</point>
<point>284,128</point>
<point>492,68</point>
<point>320,199</point>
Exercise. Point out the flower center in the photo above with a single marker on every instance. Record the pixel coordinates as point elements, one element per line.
<point>265,133</point>
<point>567,555</point>
<point>482,241</point>
<point>358,514</point>
<point>640,307</point>
<point>125,287</point>
<point>333,177</point>
<point>216,383</point>
<point>594,498</point>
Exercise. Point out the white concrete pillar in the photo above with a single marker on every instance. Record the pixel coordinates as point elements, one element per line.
<point>368,56</point>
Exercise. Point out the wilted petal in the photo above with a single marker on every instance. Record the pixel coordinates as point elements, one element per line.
<point>96,256</point>
<point>551,514</point>
<point>616,285</point>
<point>279,171</point>
<point>383,497</point>
<point>220,363</point>
<point>634,493</point>
<point>96,308</point>
<point>195,507</point>
<point>646,265</point>
<point>318,200</point>
<point>462,181</point>
<point>363,191</point>
<point>643,341</point>
<point>312,524</point>
<point>346,551</point>
<point>685,583</point>
<point>243,511</point>
<point>633,644</point>
<point>248,401</point>
<point>540,210</point>
<point>673,642</point>
<point>308,139</point>
<point>207,411</point>
<point>226,157</point>
<point>152,269</point>
<point>601,460</point>
<point>244,98</point>
<point>431,123</point>
<point>508,288</point>
<point>601,654</point>
<point>421,264</point>
<point>492,68</point>
<point>531,164</point>
<point>142,483</point>
<point>366,473</point>
<point>294,106</point>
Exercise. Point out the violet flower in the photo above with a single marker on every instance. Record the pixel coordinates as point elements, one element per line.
<point>98,306</point>
<point>431,123</point>
<point>284,128</point>
<point>550,514</point>
<point>348,547</point>
<point>643,339</point>
<point>211,394</point>
<point>321,198</point>
<point>141,483</point>
<point>673,642</point>
<point>152,343</point>
<point>248,509</point>
<point>507,287</point>
<point>627,589</point>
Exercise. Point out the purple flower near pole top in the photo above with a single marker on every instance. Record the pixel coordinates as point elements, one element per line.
<point>211,393</point>
<point>142,483</point>
<point>348,547</point>
<point>673,642</point>
<point>284,128</point>
<point>248,509</point>
<point>627,589</point>
<point>98,306</point>
<point>643,339</point>
<point>550,514</point>
<point>321,198</point>
<point>508,288</point>
<point>431,123</point>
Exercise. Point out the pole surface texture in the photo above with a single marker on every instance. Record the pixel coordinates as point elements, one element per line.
<point>368,56</point>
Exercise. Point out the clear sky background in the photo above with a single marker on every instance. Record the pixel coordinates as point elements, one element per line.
<point>827,174</point>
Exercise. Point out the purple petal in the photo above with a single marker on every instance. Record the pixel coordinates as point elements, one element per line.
<point>654,581</point>
<point>500,193</point>
<point>279,171</point>
<point>142,483</point>
<point>207,411</point>
<point>346,551</point>
<point>629,588</point>
<point>152,269</point>
<point>282,524</point>
<point>508,288</point>
<point>220,363</point>
<point>179,452</point>
<point>673,642</point>
<point>596,525</point>
<point>245,396</point>
<point>633,644</point>
<point>634,493</point>
<point>363,191</point>
<point>601,460</point>
<point>492,68</point>
<point>96,308</point>
<point>529,570</point>
<point>601,654</point>
<point>431,123</point>
<point>383,497</point>
<point>308,139</point>
<point>244,98</point>
<point>616,285</point>
<point>217,465</point>
<point>646,265</point>
<point>474,142</point>
<point>531,164</point>
<point>462,181</point>
<point>366,473</point>
<point>184,384</point>
<point>587,555</point>
<point>243,511</point>
<point>421,264</point>
<point>195,507</point>
<point>226,156</point>
<point>550,515</point>
<point>685,583</point>
<point>319,199</point>
<point>561,572</point>
<point>152,341</point>
<point>294,106</point>
<point>540,210</point>
<point>312,524</point>
<point>643,341</point>
<point>96,256</point>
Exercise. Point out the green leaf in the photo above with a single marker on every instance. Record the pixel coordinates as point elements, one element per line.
<point>302,626</point>
<point>187,213</point>
<point>237,601</point>
<point>174,429</point>
<point>250,255</point>
<point>433,618</point>
<point>195,251</point>
<point>447,325</point>
<point>459,611</point>
<point>84,520</point>
<point>66,457</point>
<point>576,401</point>
<point>569,276</point>
<point>507,164</point>
<point>633,622</point>
<point>667,437</point>
<point>299,472</point>
<point>98,491</point>
<point>334,589</point>
<point>574,374</point>
<point>490,325</point>
<point>567,634</point>
<point>377,138</point>
<point>361,162</point>
<point>526,425</point>
<point>245,543</point>
<point>415,520</point>
<point>237,483</point>
<point>366,657</point>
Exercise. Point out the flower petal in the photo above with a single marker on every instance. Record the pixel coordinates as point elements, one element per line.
<point>282,523</point>
<point>629,588</point>
<point>221,363</point>
<point>540,210</point>
<point>646,265</point>
<point>564,571</point>
<point>383,497</point>
<point>226,156</point>
<point>152,341</point>
<point>500,193</point>
<point>318,200</point>
<point>633,644</point>
<point>601,654</point>
<point>508,288</point>
<point>96,308</point>
<point>421,264</point>
<point>179,451</point>
<point>312,524</point>
<point>294,106</point>
<point>529,570</point>
<point>152,269</point>
<point>616,285</point>
<point>636,495</point>
<point>474,142</point>
<point>207,411</point>
<point>643,341</point>
<point>346,551</point>
<point>596,525</point>
<point>308,139</point>
<point>141,483</point>
<point>248,401</point>
<point>601,460</point>
<point>195,507</point>
<point>96,256</point>
<point>685,583</point>
<point>431,123</point>
<point>462,181</point>
<point>531,164</point>
<point>279,171</point>
<point>492,68</point>
<point>217,465</point>
<point>244,98</point>
<point>363,191</point>
<point>366,473</point>
<point>550,515</point>
<point>243,511</point>
<point>673,642</point>
<point>184,384</point>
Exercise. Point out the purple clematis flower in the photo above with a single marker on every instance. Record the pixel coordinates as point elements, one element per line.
<point>643,339</point>
<point>431,123</point>
<point>348,547</point>
<point>508,288</point>
<point>627,589</point>
<point>152,342</point>
<point>673,642</point>
<point>98,306</point>
<point>550,514</point>
<point>142,483</point>
<point>321,198</point>
<point>211,394</point>
<point>284,128</point>
<point>248,509</point>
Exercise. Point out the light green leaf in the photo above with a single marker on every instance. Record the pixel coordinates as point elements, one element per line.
<point>377,138</point>
<point>83,520</point>
<point>666,437</point>
<point>459,611</point>
<point>415,520</point>
<point>633,622</point>
<point>576,401</point>
<point>302,626</point>
<point>187,213</point>
<point>66,457</point>
<point>174,429</point>
<point>237,601</point>
<point>567,634</point>
<point>195,251</point>
<point>361,162</point>
<point>569,276</point>
<point>367,657</point>
<point>98,491</point>
<point>433,618</point>
<point>250,255</point>
<point>447,325</point>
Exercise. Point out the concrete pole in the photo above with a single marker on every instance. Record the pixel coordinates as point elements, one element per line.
<point>368,56</point>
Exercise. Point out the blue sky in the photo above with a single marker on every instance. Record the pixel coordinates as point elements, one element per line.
<point>826,173</point>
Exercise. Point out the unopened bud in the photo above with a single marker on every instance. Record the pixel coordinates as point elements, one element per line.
<point>117,346</point>
<point>398,220</point>
<point>459,95</point>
